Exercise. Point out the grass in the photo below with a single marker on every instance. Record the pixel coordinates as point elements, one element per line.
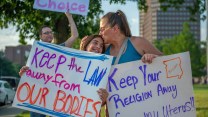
<point>24,114</point>
<point>201,102</point>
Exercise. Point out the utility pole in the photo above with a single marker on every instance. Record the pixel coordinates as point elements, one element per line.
<point>207,33</point>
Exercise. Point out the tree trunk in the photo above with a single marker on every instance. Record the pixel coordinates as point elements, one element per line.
<point>62,30</point>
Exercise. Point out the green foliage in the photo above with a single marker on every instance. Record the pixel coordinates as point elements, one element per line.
<point>76,44</point>
<point>20,13</point>
<point>201,96</point>
<point>7,68</point>
<point>183,42</point>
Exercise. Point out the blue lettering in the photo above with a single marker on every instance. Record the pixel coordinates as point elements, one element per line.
<point>151,114</point>
<point>110,80</point>
<point>116,99</point>
<point>95,79</point>
<point>118,113</point>
<point>168,89</point>
<point>133,98</point>
<point>124,82</point>
<point>144,73</point>
<point>129,81</point>
<point>150,77</point>
<point>169,110</point>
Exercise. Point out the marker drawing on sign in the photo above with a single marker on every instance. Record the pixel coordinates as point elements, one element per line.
<point>151,114</point>
<point>73,66</point>
<point>47,59</point>
<point>162,90</point>
<point>40,98</point>
<point>149,77</point>
<point>173,68</point>
<point>174,110</point>
<point>64,103</point>
<point>101,57</point>
<point>52,112</point>
<point>126,82</point>
<point>95,78</point>
<point>130,99</point>
<point>74,6</point>
<point>57,80</point>
<point>54,4</point>
<point>129,81</point>
<point>73,104</point>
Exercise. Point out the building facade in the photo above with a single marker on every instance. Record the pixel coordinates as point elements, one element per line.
<point>157,24</point>
<point>18,54</point>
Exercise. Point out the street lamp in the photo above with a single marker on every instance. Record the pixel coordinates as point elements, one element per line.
<point>207,33</point>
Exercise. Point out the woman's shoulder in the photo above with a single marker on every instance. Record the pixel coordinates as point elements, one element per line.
<point>138,40</point>
<point>144,46</point>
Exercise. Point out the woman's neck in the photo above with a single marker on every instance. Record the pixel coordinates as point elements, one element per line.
<point>116,45</point>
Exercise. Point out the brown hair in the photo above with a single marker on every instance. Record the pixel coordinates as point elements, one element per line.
<point>118,18</point>
<point>86,40</point>
<point>41,28</point>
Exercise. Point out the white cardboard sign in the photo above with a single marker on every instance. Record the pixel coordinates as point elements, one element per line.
<point>160,89</point>
<point>62,81</point>
<point>74,6</point>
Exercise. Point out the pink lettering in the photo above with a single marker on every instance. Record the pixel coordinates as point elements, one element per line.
<point>38,3</point>
<point>56,80</point>
<point>35,57</point>
<point>61,60</point>
<point>61,6</point>
<point>52,4</point>
<point>51,57</point>
<point>74,6</point>
<point>82,8</point>
<point>73,66</point>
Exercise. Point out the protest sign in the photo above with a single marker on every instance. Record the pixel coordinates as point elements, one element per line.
<point>74,6</point>
<point>62,81</point>
<point>160,89</point>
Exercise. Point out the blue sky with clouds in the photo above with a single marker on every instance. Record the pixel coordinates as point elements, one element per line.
<point>9,37</point>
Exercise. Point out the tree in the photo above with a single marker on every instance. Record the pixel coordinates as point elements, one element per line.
<point>7,68</point>
<point>183,42</point>
<point>21,14</point>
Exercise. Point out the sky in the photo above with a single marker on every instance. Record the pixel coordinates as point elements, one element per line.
<point>9,36</point>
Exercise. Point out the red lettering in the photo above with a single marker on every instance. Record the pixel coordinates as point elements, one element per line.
<point>60,100</point>
<point>19,92</point>
<point>43,97</point>
<point>69,99</point>
<point>86,107</point>
<point>41,94</point>
<point>95,109</point>
<point>75,105</point>
<point>36,98</point>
